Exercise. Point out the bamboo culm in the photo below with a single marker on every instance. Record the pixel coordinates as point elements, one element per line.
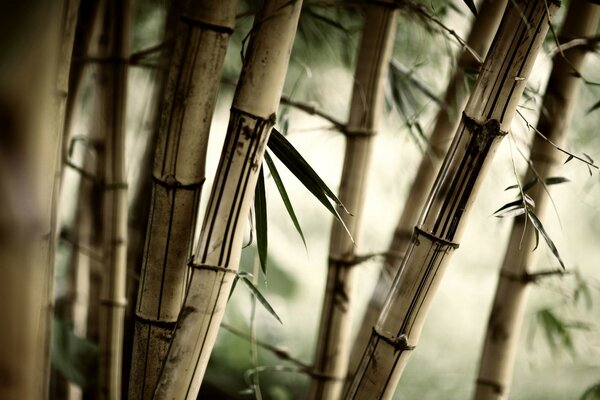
<point>479,39</point>
<point>112,79</point>
<point>201,42</point>
<point>216,259</point>
<point>485,120</point>
<point>517,272</point>
<point>333,346</point>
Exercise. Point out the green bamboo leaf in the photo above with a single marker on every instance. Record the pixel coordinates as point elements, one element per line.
<point>76,358</point>
<point>298,166</point>
<point>591,393</point>
<point>594,107</point>
<point>260,215</point>
<point>471,6</point>
<point>509,208</point>
<point>284,195</point>
<point>569,159</point>
<point>256,293</point>
<point>555,180</point>
<point>537,224</point>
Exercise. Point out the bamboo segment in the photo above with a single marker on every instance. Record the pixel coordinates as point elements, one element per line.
<point>333,346</point>
<point>480,39</point>
<point>216,260</point>
<point>114,46</point>
<point>178,176</point>
<point>487,116</point>
<point>504,326</point>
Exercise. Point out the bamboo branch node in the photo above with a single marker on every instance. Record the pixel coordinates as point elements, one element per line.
<point>190,20</point>
<point>487,129</point>
<point>358,132</point>
<point>533,277</point>
<point>497,387</point>
<point>399,343</point>
<point>155,322</point>
<point>434,238</point>
<point>171,182</point>
<point>214,268</point>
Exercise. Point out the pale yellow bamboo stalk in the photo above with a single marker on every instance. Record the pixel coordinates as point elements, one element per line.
<point>217,257</point>
<point>486,118</point>
<point>333,345</point>
<point>112,76</point>
<point>28,110</point>
<point>518,269</point>
<point>178,175</point>
<point>448,117</point>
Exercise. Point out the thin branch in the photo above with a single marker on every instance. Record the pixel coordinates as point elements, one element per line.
<point>311,109</point>
<point>590,43</point>
<point>571,155</point>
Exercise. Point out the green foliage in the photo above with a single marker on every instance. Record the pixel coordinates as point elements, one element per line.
<point>260,216</point>
<point>76,358</point>
<point>591,393</point>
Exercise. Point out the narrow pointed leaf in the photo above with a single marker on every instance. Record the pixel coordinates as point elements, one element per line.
<point>260,215</point>
<point>284,195</point>
<point>537,224</point>
<point>298,166</point>
<point>508,207</point>
<point>555,180</point>
<point>569,158</point>
<point>529,200</point>
<point>594,107</point>
<point>256,293</point>
<point>471,6</point>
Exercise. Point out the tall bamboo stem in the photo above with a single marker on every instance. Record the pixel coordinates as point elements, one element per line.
<point>114,46</point>
<point>333,346</point>
<point>486,118</point>
<point>178,176</point>
<point>217,257</point>
<point>504,326</point>
<point>479,39</point>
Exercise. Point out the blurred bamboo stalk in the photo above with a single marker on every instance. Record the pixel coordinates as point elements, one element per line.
<point>333,345</point>
<point>517,272</point>
<point>178,174</point>
<point>479,40</point>
<point>217,257</point>
<point>486,118</point>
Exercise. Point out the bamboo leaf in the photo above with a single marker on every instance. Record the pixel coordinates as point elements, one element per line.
<point>591,393</point>
<point>537,224</point>
<point>256,293</point>
<point>298,166</point>
<point>569,158</point>
<point>471,6</point>
<point>555,180</point>
<point>260,215</point>
<point>509,208</point>
<point>284,195</point>
<point>594,107</point>
<point>76,358</point>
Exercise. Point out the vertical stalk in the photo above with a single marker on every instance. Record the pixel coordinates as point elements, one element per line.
<point>479,39</point>
<point>516,275</point>
<point>112,75</point>
<point>333,346</point>
<point>216,260</point>
<point>486,118</point>
<point>178,175</point>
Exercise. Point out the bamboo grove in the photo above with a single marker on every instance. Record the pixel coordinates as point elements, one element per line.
<point>159,165</point>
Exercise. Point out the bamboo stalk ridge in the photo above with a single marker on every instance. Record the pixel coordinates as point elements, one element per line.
<point>517,272</point>
<point>486,118</point>
<point>333,346</point>
<point>479,39</point>
<point>178,176</point>
<point>30,103</point>
<point>216,259</point>
<point>112,76</point>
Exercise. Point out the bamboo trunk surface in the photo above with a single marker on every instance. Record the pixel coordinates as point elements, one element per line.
<point>517,272</point>
<point>216,259</point>
<point>333,346</point>
<point>486,118</point>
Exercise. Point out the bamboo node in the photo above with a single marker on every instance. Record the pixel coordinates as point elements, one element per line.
<point>434,238</point>
<point>399,343</point>
<point>113,303</point>
<point>115,185</point>
<point>171,182</point>
<point>487,129</point>
<point>497,387</point>
<point>358,132</point>
<point>214,268</point>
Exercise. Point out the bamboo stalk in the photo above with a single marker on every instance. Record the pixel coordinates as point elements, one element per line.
<point>486,118</point>
<point>178,177</point>
<point>448,118</point>
<point>217,257</point>
<point>333,346</point>
<point>114,43</point>
<point>507,313</point>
